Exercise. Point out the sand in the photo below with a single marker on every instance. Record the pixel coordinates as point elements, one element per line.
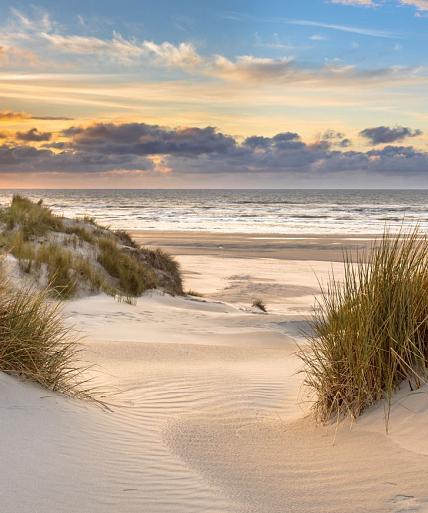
<point>206,409</point>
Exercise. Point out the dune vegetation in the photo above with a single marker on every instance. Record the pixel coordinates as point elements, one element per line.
<point>74,256</point>
<point>35,344</point>
<point>60,258</point>
<point>259,303</point>
<point>370,331</point>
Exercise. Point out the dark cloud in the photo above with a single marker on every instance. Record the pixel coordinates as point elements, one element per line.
<point>9,115</point>
<point>332,135</point>
<point>131,146</point>
<point>336,138</point>
<point>385,134</point>
<point>344,143</point>
<point>143,139</point>
<point>33,135</point>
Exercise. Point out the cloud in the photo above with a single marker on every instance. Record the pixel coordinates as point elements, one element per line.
<point>15,57</point>
<point>33,135</point>
<point>239,17</point>
<point>105,147</point>
<point>28,159</point>
<point>421,5</point>
<point>116,48</point>
<point>8,115</point>
<point>318,37</point>
<point>385,134</point>
<point>345,28</point>
<point>144,139</point>
<point>364,3</point>
<point>45,36</point>
<point>248,68</point>
<point>183,55</point>
<point>334,138</point>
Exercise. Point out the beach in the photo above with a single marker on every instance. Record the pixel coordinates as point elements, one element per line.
<point>205,409</point>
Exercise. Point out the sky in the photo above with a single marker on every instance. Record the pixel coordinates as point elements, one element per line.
<point>214,94</point>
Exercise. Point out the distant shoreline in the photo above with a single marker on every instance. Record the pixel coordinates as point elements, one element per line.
<point>255,245</point>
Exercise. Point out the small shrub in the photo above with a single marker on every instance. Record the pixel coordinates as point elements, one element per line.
<point>258,303</point>
<point>371,330</point>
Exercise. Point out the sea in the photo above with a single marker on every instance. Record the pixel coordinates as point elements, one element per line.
<point>241,211</point>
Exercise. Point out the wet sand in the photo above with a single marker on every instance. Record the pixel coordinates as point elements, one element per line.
<point>243,245</point>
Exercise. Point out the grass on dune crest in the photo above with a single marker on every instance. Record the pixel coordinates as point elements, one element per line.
<point>32,218</point>
<point>78,255</point>
<point>134,277</point>
<point>36,345</point>
<point>370,331</point>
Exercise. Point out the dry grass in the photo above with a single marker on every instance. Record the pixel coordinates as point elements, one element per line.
<point>36,345</point>
<point>33,219</point>
<point>371,330</point>
<point>46,244</point>
<point>164,262</point>
<point>65,270</point>
<point>134,277</point>
<point>258,303</point>
<point>193,293</point>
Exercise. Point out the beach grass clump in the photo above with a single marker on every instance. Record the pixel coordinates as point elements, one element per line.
<point>259,303</point>
<point>35,344</point>
<point>164,262</point>
<point>81,233</point>
<point>370,331</point>
<point>134,277</point>
<point>33,219</point>
<point>71,256</point>
<point>65,271</point>
<point>126,239</point>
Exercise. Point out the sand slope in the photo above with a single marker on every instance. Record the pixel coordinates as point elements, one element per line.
<point>205,416</point>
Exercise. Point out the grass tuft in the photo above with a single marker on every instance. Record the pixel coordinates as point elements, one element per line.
<point>33,219</point>
<point>193,293</point>
<point>370,331</point>
<point>36,345</point>
<point>258,303</point>
<point>134,277</point>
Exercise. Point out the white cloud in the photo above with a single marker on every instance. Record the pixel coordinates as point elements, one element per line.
<point>421,5</point>
<point>183,55</point>
<point>317,37</point>
<point>345,28</point>
<point>117,47</point>
<point>366,3</point>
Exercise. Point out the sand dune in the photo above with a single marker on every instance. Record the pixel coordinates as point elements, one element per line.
<point>206,413</point>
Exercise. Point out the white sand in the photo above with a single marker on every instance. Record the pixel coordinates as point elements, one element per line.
<point>205,412</point>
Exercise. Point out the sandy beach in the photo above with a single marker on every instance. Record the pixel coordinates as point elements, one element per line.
<point>206,411</point>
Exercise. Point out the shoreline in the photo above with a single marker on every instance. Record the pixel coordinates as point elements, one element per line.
<point>255,245</point>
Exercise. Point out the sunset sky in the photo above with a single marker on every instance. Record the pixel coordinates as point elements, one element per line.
<point>225,93</point>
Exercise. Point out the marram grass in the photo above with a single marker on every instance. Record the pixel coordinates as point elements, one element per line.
<point>36,345</point>
<point>370,331</point>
